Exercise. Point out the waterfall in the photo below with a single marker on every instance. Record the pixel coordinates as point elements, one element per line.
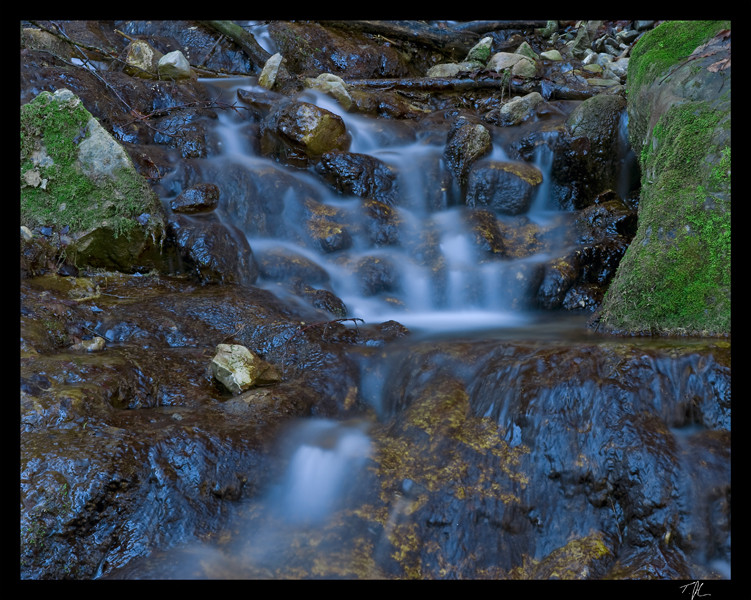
<point>470,293</point>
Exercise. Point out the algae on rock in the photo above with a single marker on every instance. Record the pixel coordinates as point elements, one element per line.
<point>675,276</point>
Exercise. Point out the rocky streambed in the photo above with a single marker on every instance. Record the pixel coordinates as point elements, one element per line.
<point>302,217</point>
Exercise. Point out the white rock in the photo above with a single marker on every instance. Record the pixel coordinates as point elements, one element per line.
<point>269,72</point>
<point>334,85</point>
<point>174,65</point>
<point>551,55</point>
<point>99,155</point>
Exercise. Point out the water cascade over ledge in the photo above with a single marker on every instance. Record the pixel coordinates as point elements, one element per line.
<point>505,441</point>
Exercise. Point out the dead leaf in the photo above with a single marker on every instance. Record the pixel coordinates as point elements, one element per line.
<point>720,65</point>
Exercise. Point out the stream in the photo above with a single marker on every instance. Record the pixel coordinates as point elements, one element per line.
<point>583,419</point>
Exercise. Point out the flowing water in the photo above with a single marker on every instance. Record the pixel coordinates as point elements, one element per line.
<point>323,457</point>
<point>473,293</point>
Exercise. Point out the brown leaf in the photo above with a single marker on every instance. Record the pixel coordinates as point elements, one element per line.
<point>720,65</point>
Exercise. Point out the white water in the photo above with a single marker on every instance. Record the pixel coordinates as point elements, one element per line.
<point>476,295</point>
<point>323,457</point>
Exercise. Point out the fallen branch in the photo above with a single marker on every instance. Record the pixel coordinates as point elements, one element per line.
<point>443,84</point>
<point>481,27</point>
<point>247,42</point>
<point>413,31</point>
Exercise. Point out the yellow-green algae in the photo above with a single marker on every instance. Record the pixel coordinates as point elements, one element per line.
<point>573,561</point>
<point>442,448</point>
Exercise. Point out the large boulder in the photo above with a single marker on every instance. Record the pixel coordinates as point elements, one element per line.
<point>77,179</point>
<point>675,276</point>
<point>586,161</point>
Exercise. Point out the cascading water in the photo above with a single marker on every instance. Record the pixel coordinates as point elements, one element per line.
<point>472,293</point>
<point>438,452</point>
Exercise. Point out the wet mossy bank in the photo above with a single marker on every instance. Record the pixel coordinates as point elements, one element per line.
<point>675,277</point>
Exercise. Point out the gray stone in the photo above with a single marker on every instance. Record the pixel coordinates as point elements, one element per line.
<point>174,66</point>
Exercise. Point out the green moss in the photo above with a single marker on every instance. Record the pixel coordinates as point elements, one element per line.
<point>666,45</point>
<point>675,276</point>
<point>53,189</point>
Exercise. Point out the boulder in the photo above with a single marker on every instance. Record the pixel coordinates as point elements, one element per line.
<point>77,178</point>
<point>359,175</point>
<point>210,251</point>
<point>466,143</point>
<point>675,276</point>
<point>586,161</point>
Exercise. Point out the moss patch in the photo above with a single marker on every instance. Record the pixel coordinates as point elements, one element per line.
<point>666,45</point>
<point>54,191</point>
<point>675,276</point>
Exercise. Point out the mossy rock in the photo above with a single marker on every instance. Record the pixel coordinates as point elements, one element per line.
<point>78,180</point>
<point>675,276</point>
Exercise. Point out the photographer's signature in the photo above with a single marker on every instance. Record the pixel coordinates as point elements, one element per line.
<point>695,589</point>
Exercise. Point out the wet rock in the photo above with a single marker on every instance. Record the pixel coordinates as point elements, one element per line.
<point>211,251</point>
<point>311,49</point>
<point>467,142</point>
<point>586,159</point>
<point>381,223</point>
<point>376,275</point>
<point>487,233</point>
<point>297,133</point>
<point>265,201</point>
<point>360,175</point>
<point>200,198</point>
<point>238,369</point>
<point>174,65</point>
<point>280,264</point>
<point>321,299</point>
<point>559,276</point>
<point>505,187</point>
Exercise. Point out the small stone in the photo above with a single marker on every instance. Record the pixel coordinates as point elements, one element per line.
<point>334,85</point>
<point>599,82</point>
<point>200,198</point>
<point>551,55</point>
<point>141,60</point>
<point>480,52</point>
<point>270,70</point>
<point>526,50</point>
<point>239,369</point>
<point>174,66</point>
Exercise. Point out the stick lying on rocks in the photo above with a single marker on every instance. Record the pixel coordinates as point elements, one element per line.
<point>548,89</point>
<point>247,42</point>
<point>413,31</point>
